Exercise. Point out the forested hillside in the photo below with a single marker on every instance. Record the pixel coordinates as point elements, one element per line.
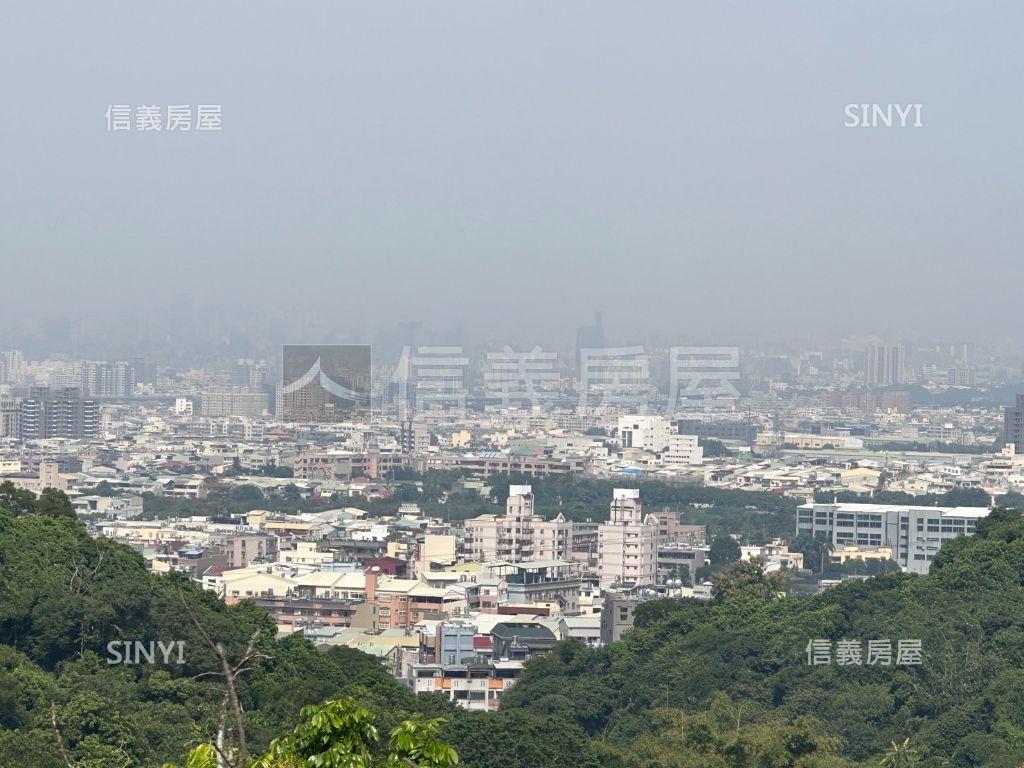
<point>724,683</point>
<point>65,596</point>
<point>962,706</point>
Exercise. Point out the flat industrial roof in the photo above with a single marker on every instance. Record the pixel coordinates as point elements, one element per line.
<point>966,512</point>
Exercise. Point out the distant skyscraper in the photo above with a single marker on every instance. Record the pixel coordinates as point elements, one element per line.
<point>884,366</point>
<point>108,379</point>
<point>1013,425</point>
<point>11,363</point>
<point>961,374</point>
<point>10,416</point>
<point>145,371</point>
<point>249,373</point>
<point>590,336</point>
<point>60,412</point>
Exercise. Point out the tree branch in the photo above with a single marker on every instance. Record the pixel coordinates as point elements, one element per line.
<point>60,739</point>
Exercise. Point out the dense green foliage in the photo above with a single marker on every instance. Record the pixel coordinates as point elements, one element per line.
<point>961,707</point>
<point>224,499</point>
<point>50,503</point>
<point>723,550</point>
<point>713,448</point>
<point>719,683</point>
<point>64,596</point>
<point>338,734</point>
<point>757,516</point>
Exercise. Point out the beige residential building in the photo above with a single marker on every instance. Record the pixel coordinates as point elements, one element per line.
<point>858,552</point>
<point>244,584</point>
<point>400,603</point>
<point>476,686</point>
<point>435,549</point>
<point>305,553</point>
<point>329,585</point>
<point>520,534</point>
<point>628,542</point>
<point>245,548</point>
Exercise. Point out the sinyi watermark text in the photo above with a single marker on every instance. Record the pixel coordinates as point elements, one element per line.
<point>139,652</point>
<point>851,653</point>
<point>883,116</point>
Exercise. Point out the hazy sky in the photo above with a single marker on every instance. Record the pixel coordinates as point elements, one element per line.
<point>507,167</point>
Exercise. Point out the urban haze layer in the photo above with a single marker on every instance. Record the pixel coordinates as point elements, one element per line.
<point>497,385</point>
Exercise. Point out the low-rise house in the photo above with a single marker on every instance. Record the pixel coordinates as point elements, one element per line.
<point>585,629</point>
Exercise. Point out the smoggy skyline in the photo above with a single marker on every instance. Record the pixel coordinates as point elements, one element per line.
<point>502,170</point>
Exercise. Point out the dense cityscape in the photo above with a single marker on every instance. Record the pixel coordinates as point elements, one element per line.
<point>455,516</point>
<point>503,385</point>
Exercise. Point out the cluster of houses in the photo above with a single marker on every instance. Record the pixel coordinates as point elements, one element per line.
<point>447,606</point>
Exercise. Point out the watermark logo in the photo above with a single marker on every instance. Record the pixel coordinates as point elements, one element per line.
<point>524,379</point>
<point>174,118</point>
<point>615,376</point>
<point>151,652</point>
<point>431,378</point>
<point>325,383</point>
<point>852,653</point>
<point>703,376</point>
<point>883,116</point>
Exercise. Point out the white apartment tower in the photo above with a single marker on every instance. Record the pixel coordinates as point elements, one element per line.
<point>648,433</point>
<point>628,542</point>
<point>657,434</point>
<point>683,450</point>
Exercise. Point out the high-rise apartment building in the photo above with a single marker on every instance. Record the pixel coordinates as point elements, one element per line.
<point>884,365</point>
<point>414,436</point>
<point>324,383</point>
<point>234,401</point>
<point>961,374</point>
<point>249,372</point>
<point>628,543</point>
<point>11,364</point>
<point>10,416</point>
<point>58,412</point>
<point>108,379</point>
<point>1013,425</point>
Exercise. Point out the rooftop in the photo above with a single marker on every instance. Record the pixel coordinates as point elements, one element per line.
<point>968,512</point>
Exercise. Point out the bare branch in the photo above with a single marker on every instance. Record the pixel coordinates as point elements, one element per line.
<point>229,673</point>
<point>222,759</point>
<point>229,677</point>
<point>191,614</point>
<point>60,739</point>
